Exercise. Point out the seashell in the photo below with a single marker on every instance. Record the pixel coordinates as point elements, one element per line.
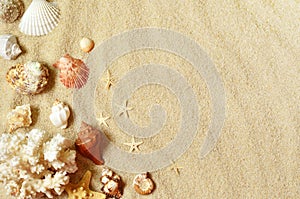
<point>9,47</point>
<point>40,18</point>
<point>73,72</point>
<point>142,184</point>
<point>86,44</point>
<point>110,180</point>
<point>88,143</point>
<point>60,114</point>
<point>28,79</point>
<point>11,10</point>
<point>19,117</point>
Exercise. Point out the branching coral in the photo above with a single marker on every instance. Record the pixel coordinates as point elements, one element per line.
<point>32,164</point>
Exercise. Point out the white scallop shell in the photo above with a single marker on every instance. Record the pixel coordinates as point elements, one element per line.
<point>9,47</point>
<point>40,18</point>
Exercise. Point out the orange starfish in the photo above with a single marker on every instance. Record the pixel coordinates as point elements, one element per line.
<point>82,190</point>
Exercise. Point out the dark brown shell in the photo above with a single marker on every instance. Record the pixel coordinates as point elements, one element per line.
<point>88,143</point>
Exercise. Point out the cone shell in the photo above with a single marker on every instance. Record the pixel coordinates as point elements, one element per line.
<point>142,184</point>
<point>9,47</point>
<point>19,117</point>
<point>11,10</point>
<point>28,79</point>
<point>40,18</point>
<point>88,143</point>
<point>73,72</point>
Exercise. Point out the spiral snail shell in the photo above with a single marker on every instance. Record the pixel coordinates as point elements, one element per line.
<point>88,143</point>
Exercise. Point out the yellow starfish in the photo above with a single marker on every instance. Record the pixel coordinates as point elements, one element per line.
<point>109,80</point>
<point>176,168</point>
<point>134,146</point>
<point>81,190</point>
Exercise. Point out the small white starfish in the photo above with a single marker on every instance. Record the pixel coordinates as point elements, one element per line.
<point>102,120</point>
<point>134,146</point>
<point>109,80</point>
<point>176,168</point>
<point>124,109</point>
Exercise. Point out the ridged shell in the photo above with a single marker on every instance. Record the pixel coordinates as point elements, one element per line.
<point>19,117</point>
<point>73,72</point>
<point>88,143</point>
<point>28,79</point>
<point>40,18</point>
<point>142,184</point>
<point>11,10</point>
<point>9,47</point>
<point>111,182</point>
<point>60,114</point>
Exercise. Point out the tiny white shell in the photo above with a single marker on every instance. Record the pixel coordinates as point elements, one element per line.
<point>60,115</point>
<point>9,47</point>
<point>86,44</point>
<point>40,18</point>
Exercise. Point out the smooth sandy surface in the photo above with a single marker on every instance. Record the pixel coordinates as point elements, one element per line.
<point>255,47</point>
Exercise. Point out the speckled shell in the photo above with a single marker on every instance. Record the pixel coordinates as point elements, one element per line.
<point>73,72</point>
<point>9,47</point>
<point>28,79</point>
<point>11,10</point>
<point>40,18</point>
<point>88,143</point>
<point>142,184</point>
<point>111,181</point>
<point>19,117</point>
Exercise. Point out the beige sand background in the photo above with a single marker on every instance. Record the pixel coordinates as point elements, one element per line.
<point>255,46</point>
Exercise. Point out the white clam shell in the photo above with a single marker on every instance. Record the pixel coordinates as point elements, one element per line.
<point>9,47</point>
<point>40,18</point>
<point>60,115</point>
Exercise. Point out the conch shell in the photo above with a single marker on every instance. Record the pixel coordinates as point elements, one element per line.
<point>88,143</point>
<point>60,114</point>
<point>11,10</point>
<point>9,47</point>
<point>111,181</point>
<point>19,117</point>
<point>30,78</point>
<point>73,72</point>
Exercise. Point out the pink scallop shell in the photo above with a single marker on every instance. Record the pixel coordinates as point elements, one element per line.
<point>73,72</point>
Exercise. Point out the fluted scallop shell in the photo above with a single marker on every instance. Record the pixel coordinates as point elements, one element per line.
<point>19,117</point>
<point>73,72</point>
<point>40,18</point>
<point>11,10</point>
<point>88,143</point>
<point>9,47</point>
<point>28,79</point>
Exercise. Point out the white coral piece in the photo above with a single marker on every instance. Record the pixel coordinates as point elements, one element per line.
<point>32,164</point>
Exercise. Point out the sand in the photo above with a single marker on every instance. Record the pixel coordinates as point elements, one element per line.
<point>255,49</point>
